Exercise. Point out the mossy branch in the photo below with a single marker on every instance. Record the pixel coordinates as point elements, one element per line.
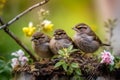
<point>17,40</point>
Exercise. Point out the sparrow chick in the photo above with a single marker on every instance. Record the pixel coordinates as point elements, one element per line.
<point>85,39</point>
<point>59,41</point>
<point>40,44</point>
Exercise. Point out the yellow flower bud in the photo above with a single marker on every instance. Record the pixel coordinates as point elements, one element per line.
<point>25,29</point>
<point>47,26</point>
<point>28,31</point>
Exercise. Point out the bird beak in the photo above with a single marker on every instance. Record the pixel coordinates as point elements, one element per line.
<point>75,29</point>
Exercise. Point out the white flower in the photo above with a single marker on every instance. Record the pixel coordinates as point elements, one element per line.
<point>30,24</point>
<point>14,60</point>
<point>46,23</point>
<point>18,53</point>
<point>14,54</point>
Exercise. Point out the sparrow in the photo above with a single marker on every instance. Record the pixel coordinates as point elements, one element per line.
<point>40,44</point>
<point>59,41</point>
<point>85,39</point>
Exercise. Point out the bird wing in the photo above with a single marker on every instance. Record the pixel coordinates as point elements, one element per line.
<point>95,37</point>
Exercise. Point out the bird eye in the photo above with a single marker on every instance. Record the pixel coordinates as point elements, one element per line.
<point>63,33</point>
<point>37,37</point>
<point>82,27</point>
<point>59,33</point>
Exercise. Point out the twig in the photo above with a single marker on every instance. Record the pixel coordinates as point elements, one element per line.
<point>4,26</point>
<point>18,41</point>
<point>23,13</point>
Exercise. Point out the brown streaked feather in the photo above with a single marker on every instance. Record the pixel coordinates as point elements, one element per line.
<point>60,40</point>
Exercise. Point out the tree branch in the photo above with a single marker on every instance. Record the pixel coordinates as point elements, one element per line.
<point>18,41</point>
<point>23,13</point>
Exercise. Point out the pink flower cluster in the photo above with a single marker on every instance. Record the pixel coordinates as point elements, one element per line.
<point>107,58</point>
<point>20,59</point>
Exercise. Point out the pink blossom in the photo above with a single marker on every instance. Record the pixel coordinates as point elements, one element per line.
<point>15,62</point>
<point>107,58</point>
<point>23,60</point>
<point>20,59</point>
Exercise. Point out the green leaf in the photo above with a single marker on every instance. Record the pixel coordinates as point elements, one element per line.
<point>55,56</point>
<point>70,48</point>
<point>74,50</point>
<point>60,52</point>
<point>111,68</point>
<point>78,71</point>
<point>5,67</point>
<point>117,58</point>
<point>2,61</point>
<point>74,65</point>
<point>70,70</point>
<point>65,66</point>
<point>2,64</point>
<point>76,77</point>
<point>117,65</point>
<point>1,71</point>
<point>58,64</point>
<point>2,58</point>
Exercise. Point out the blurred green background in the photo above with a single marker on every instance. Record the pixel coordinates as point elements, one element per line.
<point>63,14</point>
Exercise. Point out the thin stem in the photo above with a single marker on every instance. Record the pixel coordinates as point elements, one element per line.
<point>23,13</point>
<point>18,41</point>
